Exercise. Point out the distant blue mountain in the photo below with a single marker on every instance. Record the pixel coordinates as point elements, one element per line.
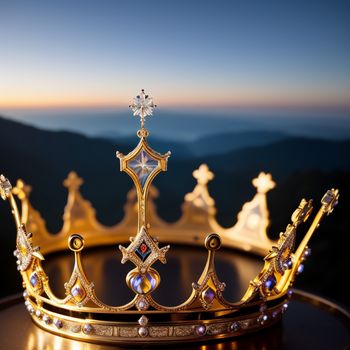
<point>217,144</point>
<point>180,126</point>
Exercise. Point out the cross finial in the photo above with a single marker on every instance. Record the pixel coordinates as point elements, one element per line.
<point>264,182</point>
<point>143,107</point>
<point>73,181</point>
<point>203,175</point>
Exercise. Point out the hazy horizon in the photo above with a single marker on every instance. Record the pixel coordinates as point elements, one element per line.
<point>187,125</point>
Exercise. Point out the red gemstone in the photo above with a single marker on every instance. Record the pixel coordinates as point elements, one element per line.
<point>143,248</point>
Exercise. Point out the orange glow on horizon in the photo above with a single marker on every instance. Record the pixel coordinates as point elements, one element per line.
<point>197,99</point>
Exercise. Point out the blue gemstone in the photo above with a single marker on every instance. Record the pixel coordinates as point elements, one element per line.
<point>300,268</point>
<point>270,282</point>
<point>34,279</point>
<point>289,263</point>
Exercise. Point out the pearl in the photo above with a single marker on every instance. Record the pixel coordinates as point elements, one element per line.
<point>143,332</point>
<point>142,304</point>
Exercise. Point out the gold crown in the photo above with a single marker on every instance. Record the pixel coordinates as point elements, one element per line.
<point>206,314</point>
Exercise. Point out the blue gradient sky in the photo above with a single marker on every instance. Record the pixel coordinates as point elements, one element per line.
<point>185,53</point>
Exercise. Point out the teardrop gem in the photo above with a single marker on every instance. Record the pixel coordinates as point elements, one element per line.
<point>143,283</point>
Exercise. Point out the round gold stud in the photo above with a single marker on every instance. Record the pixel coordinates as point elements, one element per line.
<point>142,133</point>
<point>75,243</point>
<point>213,242</point>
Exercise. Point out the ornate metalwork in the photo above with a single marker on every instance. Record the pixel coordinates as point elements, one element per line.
<point>205,314</point>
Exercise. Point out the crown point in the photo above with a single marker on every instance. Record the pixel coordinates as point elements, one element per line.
<point>264,183</point>
<point>73,181</point>
<point>203,175</point>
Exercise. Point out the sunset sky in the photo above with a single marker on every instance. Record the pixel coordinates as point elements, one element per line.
<point>186,53</point>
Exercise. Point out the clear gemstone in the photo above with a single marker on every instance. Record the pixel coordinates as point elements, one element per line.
<point>34,279</point>
<point>200,330</point>
<point>265,318</point>
<point>307,252</point>
<point>38,313</point>
<point>234,326</point>
<point>25,294</point>
<point>58,323</point>
<point>143,321</point>
<point>143,165</point>
<point>47,319</point>
<point>143,332</point>
<point>78,292</point>
<point>88,328</point>
<point>143,105</point>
